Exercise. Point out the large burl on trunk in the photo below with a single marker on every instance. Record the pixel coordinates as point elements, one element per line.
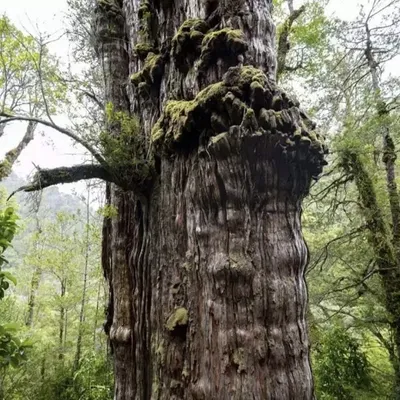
<point>205,259</point>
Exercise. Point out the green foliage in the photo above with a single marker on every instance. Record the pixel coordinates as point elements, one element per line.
<point>312,28</point>
<point>93,380</point>
<point>54,258</point>
<point>125,152</point>
<point>341,368</point>
<point>28,73</point>
<point>12,348</point>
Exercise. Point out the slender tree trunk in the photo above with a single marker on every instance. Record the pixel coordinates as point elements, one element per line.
<point>385,253</point>
<point>36,276</point>
<point>205,267</point>
<point>96,315</point>
<point>84,289</point>
<point>61,333</point>
<point>389,261</point>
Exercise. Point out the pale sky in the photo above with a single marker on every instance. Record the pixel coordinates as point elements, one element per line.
<point>53,149</point>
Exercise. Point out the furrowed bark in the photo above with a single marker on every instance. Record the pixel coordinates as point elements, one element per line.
<point>205,267</point>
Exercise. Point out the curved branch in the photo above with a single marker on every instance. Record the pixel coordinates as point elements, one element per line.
<point>12,155</point>
<point>283,41</point>
<point>67,132</point>
<point>49,177</point>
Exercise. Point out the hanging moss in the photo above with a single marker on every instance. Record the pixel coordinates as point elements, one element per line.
<point>151,72</point>
<point>186,44</point>
<point>225,43</point>
<point>147,30</point>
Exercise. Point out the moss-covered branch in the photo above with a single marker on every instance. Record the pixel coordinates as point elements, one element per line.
<point>380,236</point>
<point>283,41</point>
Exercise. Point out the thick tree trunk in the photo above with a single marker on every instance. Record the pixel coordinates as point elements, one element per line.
<point>207,295</point>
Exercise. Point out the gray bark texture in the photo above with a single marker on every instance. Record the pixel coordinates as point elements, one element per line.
<point>206,265</point>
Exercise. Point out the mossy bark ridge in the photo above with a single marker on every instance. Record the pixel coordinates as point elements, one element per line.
<point>205,266</point>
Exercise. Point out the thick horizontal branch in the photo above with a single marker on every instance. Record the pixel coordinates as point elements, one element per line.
<point>49,177</point>
<point>67,132</point>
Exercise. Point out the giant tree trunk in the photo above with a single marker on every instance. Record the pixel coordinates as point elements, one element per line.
<point>206,263</point>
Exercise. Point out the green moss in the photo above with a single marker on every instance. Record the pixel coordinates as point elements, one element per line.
<point>305,141</point>
<point>5,169</point>
<point>180,317</point>
<point>186,44</point>
<point>125,153</point>
<point>250,75</point>
<point>179,116</point>
<point>219,137</point>
<point>151,72</point>
<point>225,43</point>
<point>147,22</point>
<point>143,49</point>
<point>245,99</point>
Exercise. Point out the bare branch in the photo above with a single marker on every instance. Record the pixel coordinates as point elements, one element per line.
<point>49,177</point>
<point>67,132</point>
<point>12,155</point>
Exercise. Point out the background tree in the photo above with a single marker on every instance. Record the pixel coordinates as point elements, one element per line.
<point>29,84</point>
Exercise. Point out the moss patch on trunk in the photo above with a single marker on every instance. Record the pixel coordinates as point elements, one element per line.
<point>179,318</point>
<point>225,43</point>
<point>245,98</point>
<point>186,44</point>
<point>151,72</point>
